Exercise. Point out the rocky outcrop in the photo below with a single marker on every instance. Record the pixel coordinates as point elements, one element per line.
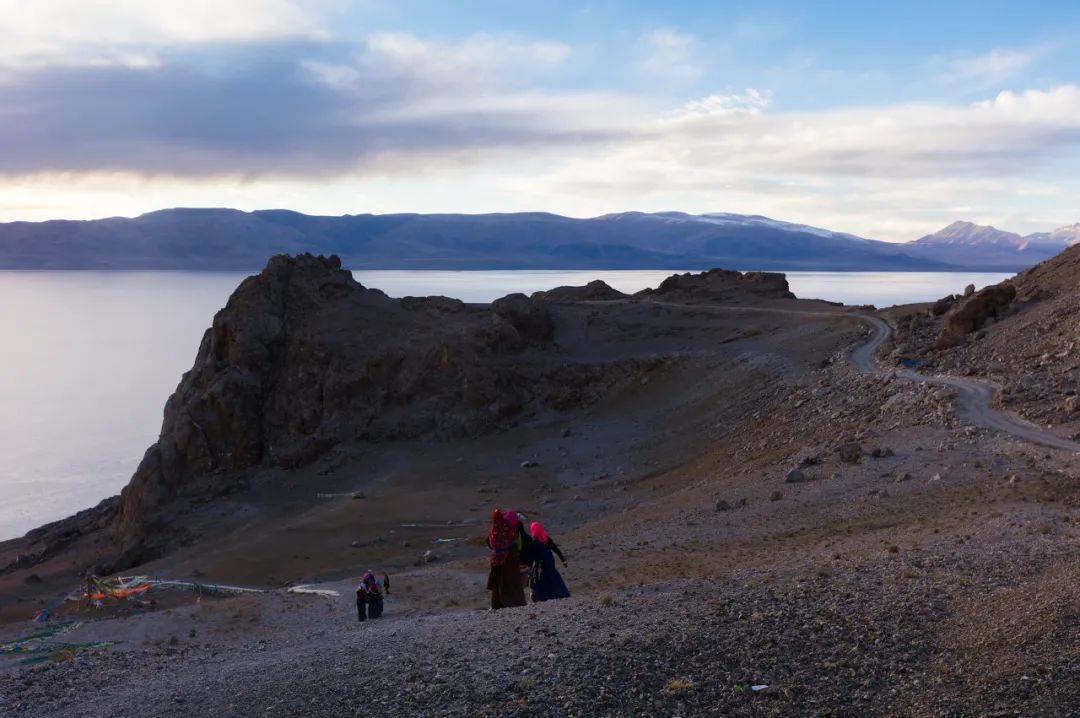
<point>47,541</point>
<point>303,358</point>
<point>596,290</point>
<point>721,285</point>
<point>972,312</point>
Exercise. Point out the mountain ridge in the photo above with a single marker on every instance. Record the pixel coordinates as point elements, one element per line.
<point>995,248</point>
<point>221,238</point>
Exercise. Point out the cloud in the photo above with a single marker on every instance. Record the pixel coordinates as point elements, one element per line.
<point>752,101</point>
<point>992,68</point>
<point>130,32</point>
<point>401,118</point>
<point>481,61</point>
<point>670,55</point>
<point>274,110</point>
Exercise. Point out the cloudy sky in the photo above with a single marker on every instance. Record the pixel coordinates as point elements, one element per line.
<point>887,120</point>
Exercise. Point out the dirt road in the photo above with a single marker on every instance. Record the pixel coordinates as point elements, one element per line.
<point>973,396</point>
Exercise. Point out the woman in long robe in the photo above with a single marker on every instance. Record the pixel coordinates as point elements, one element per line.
<point>504,575</point>
<point>547,583</point>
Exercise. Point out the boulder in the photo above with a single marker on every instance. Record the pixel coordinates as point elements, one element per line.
<point>850,452</point>
<point>969,290</point>
<point>794,476</point>
<point>530,318</point>
<point>971,313</point>
<point>942,305</point>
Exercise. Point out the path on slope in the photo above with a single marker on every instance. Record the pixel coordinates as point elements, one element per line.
<point>974,397</point>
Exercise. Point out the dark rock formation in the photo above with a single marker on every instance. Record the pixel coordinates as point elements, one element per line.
<point>596,290</point>
<point>942,305</point>
<point>972,312</point>
<point>48,540</point>
<point>721,285</point>
<point>303,358</point>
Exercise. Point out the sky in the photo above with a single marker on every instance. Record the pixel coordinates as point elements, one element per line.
<point>886,120</point>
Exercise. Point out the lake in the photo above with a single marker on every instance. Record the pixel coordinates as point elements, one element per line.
<point>89,358</point>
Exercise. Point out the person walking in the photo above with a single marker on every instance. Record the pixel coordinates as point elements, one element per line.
<point>547,583</point>
<point>369,598</point>
<point>504,574</point>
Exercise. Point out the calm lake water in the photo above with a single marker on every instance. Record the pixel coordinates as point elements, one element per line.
<point>87,359</point>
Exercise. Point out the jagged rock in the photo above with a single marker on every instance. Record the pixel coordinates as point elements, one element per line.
<point>942,305</point>
<point>596,290</point>
<point>969,290</point>
<point>971,313</point>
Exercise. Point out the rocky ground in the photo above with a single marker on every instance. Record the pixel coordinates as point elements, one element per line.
<point>757,529</point>
<point>1026,341</point>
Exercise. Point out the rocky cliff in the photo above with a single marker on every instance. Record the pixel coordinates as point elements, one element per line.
<point>303,358</point>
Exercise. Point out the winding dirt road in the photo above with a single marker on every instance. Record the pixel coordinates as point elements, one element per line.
<point>974,397</point>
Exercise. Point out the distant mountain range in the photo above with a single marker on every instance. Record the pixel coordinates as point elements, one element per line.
<point>228,239</point>
<point>981,246</point>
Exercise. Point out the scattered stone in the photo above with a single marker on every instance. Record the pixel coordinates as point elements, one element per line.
<point>850,452</point>
<point>902,477</point>
<point>722,505</point>
<point>881,453</point>
<point>1014,479</point>
<point>794,476</point>
<point>430,556</point>
<point>33,578</point>
<point>530,464</point>
<point>776,496</point>
<point>359,495</point>
<point>566,433</point>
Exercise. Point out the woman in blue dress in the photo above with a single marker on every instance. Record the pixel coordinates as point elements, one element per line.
<point>546,582</point>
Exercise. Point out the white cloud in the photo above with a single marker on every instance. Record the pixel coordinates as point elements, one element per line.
<point>751,101</point>
<point>880,171</point>
<point>127,32</point>
<point>480,61</point>
<point>991,68</point>
<point>671,55</point>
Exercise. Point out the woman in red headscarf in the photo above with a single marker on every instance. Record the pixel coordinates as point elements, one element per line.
<point>504,576</point>
<point>547,583</point>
